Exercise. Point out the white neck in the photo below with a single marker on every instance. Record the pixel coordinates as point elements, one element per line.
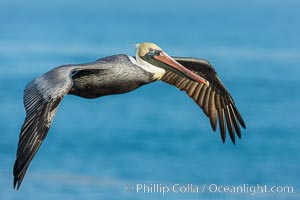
<point>156,71</point>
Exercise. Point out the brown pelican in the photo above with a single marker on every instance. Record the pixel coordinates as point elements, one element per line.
<point>120,74</point>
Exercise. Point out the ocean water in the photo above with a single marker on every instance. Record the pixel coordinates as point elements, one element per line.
<point>156,135</point>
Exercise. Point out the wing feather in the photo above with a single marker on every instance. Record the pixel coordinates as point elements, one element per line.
<point>41,99</point>
<point>215,100</point>
<point>206,101</point>
<point>229,123</point>
<point>235,122</point>
<point>180,83</point>
<point>183,84</point>
<point>192,88</point>
<point>201,96</point>
<point>212,111</point>
<point>187,87</point>
<point>197,92</point>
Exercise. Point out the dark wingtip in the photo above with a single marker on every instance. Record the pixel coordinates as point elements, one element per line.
<point>18,173</point>
<point>244,126</point>
<point>243,123</point>
<point>232,138</point>
<point>223,136</point>
<point>223,140</point>
<point>15,172</point>
<point>16,183</point>
<point>213,123</point>
<point>233,142</point>
<point>239,135</point>
<point>239,117</point>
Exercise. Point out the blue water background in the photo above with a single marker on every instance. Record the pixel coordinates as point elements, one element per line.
<point>155,134</point>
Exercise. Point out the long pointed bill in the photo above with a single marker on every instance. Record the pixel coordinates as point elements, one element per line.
<point>165,58</point>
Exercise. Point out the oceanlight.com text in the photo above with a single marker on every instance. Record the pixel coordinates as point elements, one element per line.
<point>163,189</point>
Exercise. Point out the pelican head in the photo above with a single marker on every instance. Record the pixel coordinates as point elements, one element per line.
<point>155,60</point>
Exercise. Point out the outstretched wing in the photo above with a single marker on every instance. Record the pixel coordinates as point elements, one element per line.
<point>215,100</point>
<point>41,99</point>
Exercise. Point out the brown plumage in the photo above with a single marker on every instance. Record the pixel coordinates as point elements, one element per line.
<point>214,99</point>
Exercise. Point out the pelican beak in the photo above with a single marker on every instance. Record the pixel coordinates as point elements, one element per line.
<point>178,68</point>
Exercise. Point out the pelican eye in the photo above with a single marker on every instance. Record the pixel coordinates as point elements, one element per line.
<point>151,50</point>
<point>154,52</point>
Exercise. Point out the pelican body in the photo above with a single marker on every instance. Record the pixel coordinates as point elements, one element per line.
<point>119,74</point>
<point>116,75</point>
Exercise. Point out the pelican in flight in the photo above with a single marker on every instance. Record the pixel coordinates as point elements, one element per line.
<point>119,74</point>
